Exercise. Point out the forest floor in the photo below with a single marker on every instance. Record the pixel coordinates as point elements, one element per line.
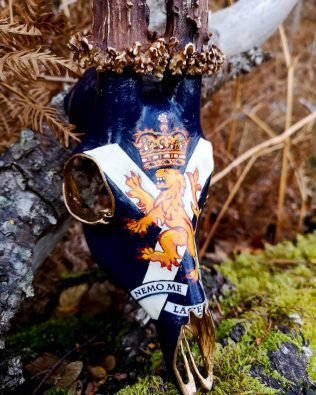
<point>95,340</point>
<point>81,334</point>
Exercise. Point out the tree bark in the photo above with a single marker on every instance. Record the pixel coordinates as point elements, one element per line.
<point>32,213</point>
<point>120,39</point>
<point>119,24</point>
<point>188,22</point>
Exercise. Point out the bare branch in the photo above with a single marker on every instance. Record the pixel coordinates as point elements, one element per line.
<point>238,28</point>
<point>264,145</point>
<point>247,24</point>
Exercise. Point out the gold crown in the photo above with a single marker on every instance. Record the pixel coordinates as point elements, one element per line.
<point>164,148</point>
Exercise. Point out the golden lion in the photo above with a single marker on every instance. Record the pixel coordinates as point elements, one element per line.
<point>167,209</point>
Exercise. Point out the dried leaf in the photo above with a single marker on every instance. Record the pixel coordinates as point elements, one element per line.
<point>109,362</point>
<point>70,298</point>
<point>76,388</point>
<point>20,29</point>
<point>91,388</point>
<point>97,372</point>
<point>70,374</point>
<point>31,64</point>
<point>44,363</point>
<point>33,115</point>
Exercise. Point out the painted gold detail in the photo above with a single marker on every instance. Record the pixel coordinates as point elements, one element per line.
<point>153,59</point>
<point>163,148</point>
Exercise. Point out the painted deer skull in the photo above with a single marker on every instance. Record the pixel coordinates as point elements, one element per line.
<point>146,157</point>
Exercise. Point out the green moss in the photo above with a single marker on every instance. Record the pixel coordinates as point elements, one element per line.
<point>150,385</point>
<point>269,294</point>
<point>63,334</point>
<point>57,391</point>
<point>274,288</point>
<point>225,327</point>
<point>285,250</point>
<point>275,339</point>
<point>231,370</point>
<point>156,359</point>
<point>307,245</point>
<point>89,276</point>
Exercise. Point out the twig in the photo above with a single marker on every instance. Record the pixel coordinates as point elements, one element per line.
<point>258,121</point>
<point>11,11</point>
<point>285,46</point>
<point>299,175</point>
<point>235,121</point>
<point>232,194</point>
<point>65,6</point>
<point>282,189</point>
<point>55,78</point>
<point>265,144</point>
<point>243,138</point>
<point>288,121</point>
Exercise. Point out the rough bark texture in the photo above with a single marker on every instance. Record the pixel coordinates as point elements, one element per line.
<point>120,39</point>
<point>33,216</point>
<point>188,22</point>
<point>119,24</point>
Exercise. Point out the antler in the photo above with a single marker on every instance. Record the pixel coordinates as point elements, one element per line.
<point>199,330</point>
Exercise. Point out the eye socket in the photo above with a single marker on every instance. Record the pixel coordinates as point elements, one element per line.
<point>87,194</point>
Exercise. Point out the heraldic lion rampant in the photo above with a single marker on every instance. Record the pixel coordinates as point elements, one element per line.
<point>166,210</point>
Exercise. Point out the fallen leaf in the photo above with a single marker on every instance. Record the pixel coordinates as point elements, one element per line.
<point>97,300</point>
<point>109,362</point>
<point>97,372</point>
<point>42,364</point>
<point>70,298</point>
<point>76,388</point>
<point>70,374</point>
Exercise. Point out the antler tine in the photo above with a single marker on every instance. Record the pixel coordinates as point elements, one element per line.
<point>188,388</point>
<point>205,382</point>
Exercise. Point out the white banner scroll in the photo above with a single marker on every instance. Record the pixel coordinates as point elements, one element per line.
<point>158,287</point>
<point>183,311</point>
